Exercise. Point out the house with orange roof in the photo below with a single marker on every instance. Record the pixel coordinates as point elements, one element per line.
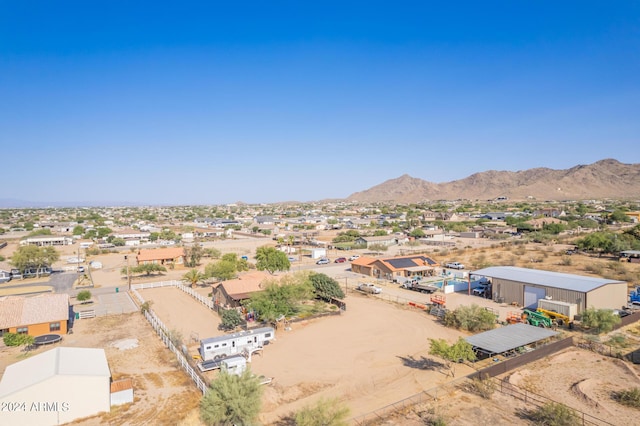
<point>36,315</point>
<point>231,293</point>
<point>392,268</point>
<point>161,256</point>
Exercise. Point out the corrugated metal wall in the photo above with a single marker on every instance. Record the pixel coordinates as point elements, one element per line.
<point>513,292</point>
<point>610,296</point>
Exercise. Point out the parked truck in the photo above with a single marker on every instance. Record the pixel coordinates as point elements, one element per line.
<point>420,286</point>
<point>634,296</point>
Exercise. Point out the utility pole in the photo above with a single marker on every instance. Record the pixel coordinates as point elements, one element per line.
<point>128,273</point>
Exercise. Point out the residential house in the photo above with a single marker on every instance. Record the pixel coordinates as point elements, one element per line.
<point>394,267</point>
<point>541,222</point>
<point>385,240</point>
<point>162,256</point>
<point>231,293</point>
<point>47,240</point>
<point>35,315</point>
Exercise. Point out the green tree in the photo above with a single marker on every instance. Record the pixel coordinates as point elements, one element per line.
<point>326,412</point>
<point>601,320</point>
<point>230,319</point>
<point>212,252</point>
<point>457,352</point>
<point>31,256</point>
<point>471,318</point>
<point>40,231</point>
<point>417,233</point>
<point>271,260</point>
<point>193,255</point>
<point>281,298</point>
<point>193,277</point>
<point>232,400</point>
<point>222,270</point>
<point>325,286</point>
<point>145,268</point>
<point>84,295</point>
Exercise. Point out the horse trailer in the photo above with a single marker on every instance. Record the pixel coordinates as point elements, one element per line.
<point>243,342</point>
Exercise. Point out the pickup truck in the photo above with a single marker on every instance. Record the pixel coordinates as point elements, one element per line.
<point>369,288</point>
<point>454,265</point>
<point>481,290</point>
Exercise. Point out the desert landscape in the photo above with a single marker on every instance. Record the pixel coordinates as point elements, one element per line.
<point>374,356</point>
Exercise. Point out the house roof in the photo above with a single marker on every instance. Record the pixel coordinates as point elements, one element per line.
<point>60,361</point>
<point>168,253</point>
<point>363,261</point>
<point>244,285</point>
<point>18,311</point>
<point>545,278</point>
<point>513,336</point>
<point>406,262</point>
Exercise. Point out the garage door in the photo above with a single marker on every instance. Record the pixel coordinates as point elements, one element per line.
<point>531,296</point>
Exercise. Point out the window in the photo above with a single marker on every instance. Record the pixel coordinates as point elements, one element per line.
<point>267,335</point>
<point>22,330</point>
<point>3,332</point>
<point>206,348</point>
<point>54,326</point>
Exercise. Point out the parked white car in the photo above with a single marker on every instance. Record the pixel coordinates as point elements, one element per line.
<point>454,265</point>
<point>369,288</point>
<point>354,257</point>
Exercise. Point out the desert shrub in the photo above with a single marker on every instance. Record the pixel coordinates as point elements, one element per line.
<point>432,418</point>
<point>175,337</point>
<point>483,387</point>
<point>378,247</point>
<point>146,306</point>
<point>230,319</point>
<point>594,268</point>
<point>600,320</point>
<point>14,339</point>
<point>553,414</point>
<point>630,397</point>
<point>618,340</point>
<point>84,295</point>
<point>232,399</point>
<point>326,412</point>
<point>566,261</point>
<point>521,251</point>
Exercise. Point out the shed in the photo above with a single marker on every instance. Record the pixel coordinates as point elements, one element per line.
<point>56,387</point>
<point>504,339</point>
<point>525,287</point>
<point>121,391</point>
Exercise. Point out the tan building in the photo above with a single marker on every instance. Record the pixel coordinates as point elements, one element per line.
<point>231,293</point>
<point>36,315</point>
<point>525,287</point>
<point>56,387</point>
<point>394,267</point>
<point>161,256</point>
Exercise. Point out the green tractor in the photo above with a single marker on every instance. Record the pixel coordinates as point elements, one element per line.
<point>536,319</point>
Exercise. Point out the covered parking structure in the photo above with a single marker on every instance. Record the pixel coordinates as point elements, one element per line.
<point>507,339</point>
<point>524,287</point>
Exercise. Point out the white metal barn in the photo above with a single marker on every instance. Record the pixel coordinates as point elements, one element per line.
<point>525,287</point>
<point>249,341</point>
<point>55,387</point>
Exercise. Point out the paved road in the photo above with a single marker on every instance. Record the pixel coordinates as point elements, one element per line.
<point>62,282</point>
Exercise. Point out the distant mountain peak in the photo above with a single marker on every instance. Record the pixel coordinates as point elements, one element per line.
<point>607,178</point>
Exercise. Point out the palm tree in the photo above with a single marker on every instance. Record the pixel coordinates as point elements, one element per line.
<point>193,277</point>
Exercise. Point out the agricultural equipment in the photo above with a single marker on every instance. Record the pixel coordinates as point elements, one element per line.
<point>536,319</point>
<point>556,316</point>
<point>438,299</point>
<point>514,317</point>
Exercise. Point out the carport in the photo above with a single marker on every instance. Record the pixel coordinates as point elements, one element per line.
<point>508,338</point>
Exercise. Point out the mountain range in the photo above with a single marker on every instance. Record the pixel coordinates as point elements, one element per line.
<point>607,178</point>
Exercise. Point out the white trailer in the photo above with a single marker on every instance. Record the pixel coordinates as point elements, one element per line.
<point>243,342</point>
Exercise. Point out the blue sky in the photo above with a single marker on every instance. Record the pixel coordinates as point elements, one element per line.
<point>212,103</point>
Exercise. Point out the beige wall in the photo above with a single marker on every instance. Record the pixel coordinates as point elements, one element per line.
<point>610,296</point>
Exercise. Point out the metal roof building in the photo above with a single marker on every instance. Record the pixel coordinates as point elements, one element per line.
<point>524,287</point>
<point>507,338</point>
<point>56,387</point>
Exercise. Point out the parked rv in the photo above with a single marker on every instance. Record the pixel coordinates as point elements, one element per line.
<point>243,342</point>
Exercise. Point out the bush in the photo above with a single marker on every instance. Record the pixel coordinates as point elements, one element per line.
<point>630,398</point>
<point>84,295</point>
<point>326,412</point>
<point>483,387</point>
<point>230,319</point>
<point>14,339</point>
<point>471,318</point>
<point>553,414</point>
